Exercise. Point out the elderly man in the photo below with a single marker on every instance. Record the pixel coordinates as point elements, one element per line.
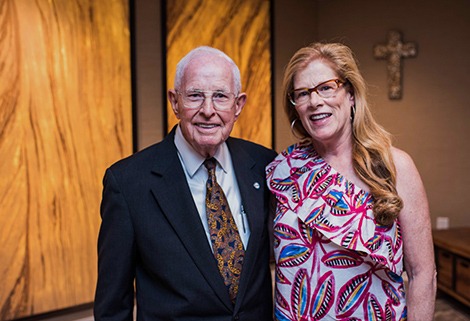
<point>184,230</point>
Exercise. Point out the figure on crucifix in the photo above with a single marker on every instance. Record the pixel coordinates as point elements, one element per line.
<point>394,50</point>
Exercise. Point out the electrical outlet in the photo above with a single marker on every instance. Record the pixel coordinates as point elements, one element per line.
<point>442,223</point>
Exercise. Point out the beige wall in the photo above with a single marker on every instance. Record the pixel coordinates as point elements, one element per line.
<point>429,122</point>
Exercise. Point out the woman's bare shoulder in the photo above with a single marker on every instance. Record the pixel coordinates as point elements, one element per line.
<point>403,161</point>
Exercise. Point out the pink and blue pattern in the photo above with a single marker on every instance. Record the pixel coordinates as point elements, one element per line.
<point>333,261</point>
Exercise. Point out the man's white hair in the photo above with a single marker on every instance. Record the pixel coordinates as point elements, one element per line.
<point>203,51</point>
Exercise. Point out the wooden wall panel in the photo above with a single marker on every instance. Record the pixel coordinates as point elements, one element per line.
<point>65,115</point>
<point>241,28</point>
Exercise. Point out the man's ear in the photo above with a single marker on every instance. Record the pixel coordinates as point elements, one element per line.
<point>240,103</point>
<point>173,98</point>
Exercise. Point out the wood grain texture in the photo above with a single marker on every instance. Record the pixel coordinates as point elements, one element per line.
<point>241,28</point>
<point>65,115</point>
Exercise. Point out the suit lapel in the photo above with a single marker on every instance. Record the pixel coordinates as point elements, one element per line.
<point>252,191</point>
<point>172,193</point>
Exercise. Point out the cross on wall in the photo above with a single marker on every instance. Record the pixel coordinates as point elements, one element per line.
<point>394,50</point>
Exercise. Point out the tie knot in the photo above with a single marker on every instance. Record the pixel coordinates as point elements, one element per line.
<point>210,163</point>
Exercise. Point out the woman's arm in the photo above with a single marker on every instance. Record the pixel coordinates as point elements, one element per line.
<point>417,240</point>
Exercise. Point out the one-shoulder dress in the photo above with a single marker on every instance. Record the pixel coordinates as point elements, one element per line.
<point>333,261</point>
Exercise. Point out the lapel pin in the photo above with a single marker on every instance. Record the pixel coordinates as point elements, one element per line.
<point>256,185</point>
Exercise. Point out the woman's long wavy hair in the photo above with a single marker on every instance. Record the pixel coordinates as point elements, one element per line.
<point>372,157</point>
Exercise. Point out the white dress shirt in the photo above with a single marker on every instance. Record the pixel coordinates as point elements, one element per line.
<point>196,176</point>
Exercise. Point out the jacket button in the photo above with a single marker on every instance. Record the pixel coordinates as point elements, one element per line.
<point>236,318</point>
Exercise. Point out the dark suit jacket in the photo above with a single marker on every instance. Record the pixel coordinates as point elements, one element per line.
<point>151,232</point>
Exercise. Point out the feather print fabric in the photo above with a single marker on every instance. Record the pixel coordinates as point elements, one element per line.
<point>333,262</point>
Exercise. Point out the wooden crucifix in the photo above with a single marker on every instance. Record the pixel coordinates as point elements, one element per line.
<point>394,50</point>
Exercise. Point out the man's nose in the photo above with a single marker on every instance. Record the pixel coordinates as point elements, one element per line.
<point>208,106</point>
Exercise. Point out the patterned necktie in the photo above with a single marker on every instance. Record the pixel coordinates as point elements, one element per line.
<point>226,241</point>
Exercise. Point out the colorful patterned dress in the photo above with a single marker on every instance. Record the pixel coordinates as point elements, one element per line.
<point>333,262</point>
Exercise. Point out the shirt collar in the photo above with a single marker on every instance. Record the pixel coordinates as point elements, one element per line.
<point>192,160</point>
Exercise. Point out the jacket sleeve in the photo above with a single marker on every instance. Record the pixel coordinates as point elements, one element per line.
<point>114,296</point>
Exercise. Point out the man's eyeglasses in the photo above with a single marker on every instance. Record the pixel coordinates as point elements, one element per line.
<point>326,89</point>
<point>220,99</point>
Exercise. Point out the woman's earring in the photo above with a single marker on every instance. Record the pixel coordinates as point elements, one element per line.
<point>293,130</point>
<point>353,113</point>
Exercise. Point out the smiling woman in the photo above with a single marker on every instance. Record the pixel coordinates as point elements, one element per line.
<point>352,209</point>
